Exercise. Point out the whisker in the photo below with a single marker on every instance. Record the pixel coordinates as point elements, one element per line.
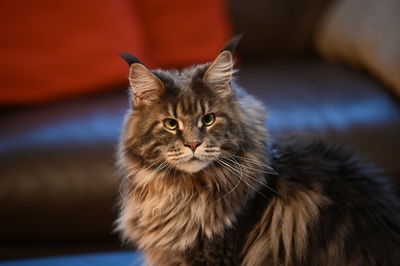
<point>229,192</point>
<point>253,162</point>
<point>256,190</point>
<point>216,183</point>
<point>258,181</point>
<point>254,169</point>
<point>263,184</point>
<point>249,185</point>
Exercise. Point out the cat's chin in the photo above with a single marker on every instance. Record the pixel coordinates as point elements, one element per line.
<point>192,166</point>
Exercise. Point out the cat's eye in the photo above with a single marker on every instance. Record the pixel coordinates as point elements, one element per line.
<point>208,119</point>
<point>170,124</point>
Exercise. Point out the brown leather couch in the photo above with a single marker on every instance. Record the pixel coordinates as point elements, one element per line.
<point>58,188</point>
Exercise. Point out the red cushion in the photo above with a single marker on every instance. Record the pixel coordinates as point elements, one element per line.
<point>51,50</point>
<point>56,49</point>
<point>183,32</point>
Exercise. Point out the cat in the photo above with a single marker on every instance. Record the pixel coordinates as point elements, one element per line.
<point>204,185</point>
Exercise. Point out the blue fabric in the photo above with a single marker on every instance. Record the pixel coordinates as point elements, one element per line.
<point>128,258</point>
<point>91,128</point>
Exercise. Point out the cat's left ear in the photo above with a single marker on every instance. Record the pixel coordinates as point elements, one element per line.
<point>145,85</point>
<point>220,73</point>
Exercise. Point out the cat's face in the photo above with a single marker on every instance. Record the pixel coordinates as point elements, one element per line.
<point>184,120</point>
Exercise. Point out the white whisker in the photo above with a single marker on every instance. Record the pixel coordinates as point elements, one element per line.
<point>256,180</point>
<point>229,167</point>
<point>235,187</point>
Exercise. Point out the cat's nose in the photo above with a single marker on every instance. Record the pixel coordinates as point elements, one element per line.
<point>193,145</point>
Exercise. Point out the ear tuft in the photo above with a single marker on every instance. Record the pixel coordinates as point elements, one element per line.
<point>130,59</point>
<point>219,74</point>
<point>145,85</point>
<point>233,43</point>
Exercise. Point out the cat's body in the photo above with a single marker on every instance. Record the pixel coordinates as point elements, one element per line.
<point>204,186</point>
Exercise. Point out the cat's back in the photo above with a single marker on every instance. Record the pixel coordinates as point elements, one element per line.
<point>340,174</point>
<point>330,209</point>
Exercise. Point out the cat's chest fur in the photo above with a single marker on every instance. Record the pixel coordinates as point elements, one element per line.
<point>175,215</point>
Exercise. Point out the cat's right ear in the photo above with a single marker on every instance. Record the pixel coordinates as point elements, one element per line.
<point>220,73</point>
<point>145,85</point>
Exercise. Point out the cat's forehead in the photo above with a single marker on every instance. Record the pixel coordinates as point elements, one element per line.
<point>182,79</point>
<point>186,93</point>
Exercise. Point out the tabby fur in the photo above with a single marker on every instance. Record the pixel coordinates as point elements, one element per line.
<point>244,200</point>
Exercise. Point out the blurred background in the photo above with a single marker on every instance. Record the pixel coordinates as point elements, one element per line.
<point>325,68</point>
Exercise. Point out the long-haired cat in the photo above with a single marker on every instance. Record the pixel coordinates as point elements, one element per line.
<point>203,185</point>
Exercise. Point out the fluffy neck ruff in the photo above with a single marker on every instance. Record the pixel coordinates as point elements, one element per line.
<point>170,210</point>
<point>166,211</point>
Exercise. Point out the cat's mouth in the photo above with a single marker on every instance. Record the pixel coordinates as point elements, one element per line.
<point>191,162</point>
<point>192,165</point>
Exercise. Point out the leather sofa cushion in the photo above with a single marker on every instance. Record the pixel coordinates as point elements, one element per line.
<point>344,106</point>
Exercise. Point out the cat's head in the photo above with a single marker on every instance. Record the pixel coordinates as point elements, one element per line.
<point>186,119</point>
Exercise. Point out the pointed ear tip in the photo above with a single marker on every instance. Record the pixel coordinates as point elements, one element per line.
<point>129,58</point>
<point>232,43</point>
